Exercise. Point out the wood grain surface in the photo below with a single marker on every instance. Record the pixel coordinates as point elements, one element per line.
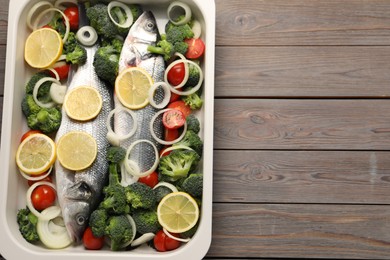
<point>302,129</point>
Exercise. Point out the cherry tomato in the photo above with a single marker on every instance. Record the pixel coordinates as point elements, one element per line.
<point>164,243</point>
<point>72,13</point>
<point>170,134</point>
<point>90,241</point>
<point>62,69</point>
<point>28,133</point>
<point>180,105</point>
<point>43,197</point>
<point>174,97</point>
<point>47,178</point>
<point>176,74</point>
<point>195,48</point>
<point>151,180</point>
<point>173,119</point>
<point>162,151</point>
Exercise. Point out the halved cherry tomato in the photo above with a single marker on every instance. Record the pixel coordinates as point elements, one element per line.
<point>151,180</point>
<point>176,74</point>
<point>173,119</point>
<point>72,13</point>
<point>90,241</point>
<point>28,133</point>
<point>43,197</point>
<point>163,243</point>
<point>47,178</point>
<point>170,134</point>
<point>180,105</point>
<point>62,68</point>
<point>195,48</point>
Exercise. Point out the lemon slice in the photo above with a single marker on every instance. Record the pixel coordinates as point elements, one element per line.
<point>43,47</point>
<point>178,212</point>
<point>36,154</point>
<point>132,87</point>
<point>83,103</point>
<point>76,150</point>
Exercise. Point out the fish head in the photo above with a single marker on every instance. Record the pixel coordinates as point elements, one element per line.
<point>76,217</point>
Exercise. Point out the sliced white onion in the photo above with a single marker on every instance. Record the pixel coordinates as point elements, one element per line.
<point>36,178</point>
<point>34,9</point>
<point>61,58</point>
<point>67,26</point>
<point>176,9</point>
<point>160,140</point>
<point>36,88</point>
<point>129,14</point>
<point>192,90</point>
<point>48,214</point>
<point>142,239</point>
<point>60,3</point>
<point>196,29</point>
<point>129,164</point>
<point>185,240</point>
<point>57,93</point>
<point>134,227</point>
<point>186,71</point>
<point>166,184</point>
<point>127,178</point>
<point>87,35</point>
<point>175,147</point>
<point>167,94</point>
<point>53,234</point>
<point>115,138</point>
<point>55,73</point>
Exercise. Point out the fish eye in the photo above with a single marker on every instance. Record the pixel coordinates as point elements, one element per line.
<point>80,220</point>
<point>150,26</point>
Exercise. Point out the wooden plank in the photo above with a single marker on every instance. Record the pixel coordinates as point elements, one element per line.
<point>302,124</point>
<point>302,22</point>
<point>2,68</point>
<point>302,177</point>
<point>304,71</point>
<point>3,21</point>
<point>283,230</point>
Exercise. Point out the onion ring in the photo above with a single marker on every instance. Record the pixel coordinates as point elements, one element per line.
<point>186,71</point>
<point>30,206</point>
<point>36,88</point>
<point>160,140</point>
<point>36,178</point>
<point>167,185</point>
<point>142,239</point>
<point>167,95</point>
<point>87,35</point>
<point>185,240</point>
<point>67,25</point>
<point>129,14</point>
<point>131,169</point>
<point>176,9</point>
<point>115,138</point>
<point>33,10</point>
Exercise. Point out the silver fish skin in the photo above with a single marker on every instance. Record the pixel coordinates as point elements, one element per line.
<point>80,192</point>
<point>144,32</point>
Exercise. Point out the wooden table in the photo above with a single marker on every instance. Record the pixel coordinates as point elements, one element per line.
<point>302,128</point>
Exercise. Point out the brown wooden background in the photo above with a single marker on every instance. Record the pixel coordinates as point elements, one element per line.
<point>302,128</point>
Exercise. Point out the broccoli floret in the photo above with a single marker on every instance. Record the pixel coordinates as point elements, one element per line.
<point>193,141</point>
<point>193,123</point>
<point>146,221</point>
<point>161,192</point>
<point>106,62</point>
<point>77,56</point>
<point>193,185</point>
<point>48,120</point>
<point>97,222</point>
<point>193,101</point>
<point>57,23</point>
<point>116,154</point>
<point>101,22</point>
<point>193,76</point>
<point>119,230</point>
<point>163,47</point>
<point>71,43</point>
<point>180,47</point>
<point>115,200</point>
<point>178,163</point>
<point>27,225</point>
<point>136,10</point>
<point>140,196</point>
<point>179,33</point>
<point>29,106</point>
<point>44,90</point>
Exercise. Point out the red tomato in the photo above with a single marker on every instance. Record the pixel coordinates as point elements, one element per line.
<point>48,179</point>
<point>180,105</point>
<point>151,180</point>
<point>164,243</point>
<point>90,241</point>
<point>43,197</point>
<point>176,74</point>
<point>170,134</point>
<point>72,13</point>
<point>174,97</point>
<point>62,69</point>
<point>195,48</point>
<point>173,119</point>
<point>163,153</point>
<point>28,133</point>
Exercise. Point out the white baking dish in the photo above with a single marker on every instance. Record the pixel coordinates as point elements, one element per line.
<point>13,187</point>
